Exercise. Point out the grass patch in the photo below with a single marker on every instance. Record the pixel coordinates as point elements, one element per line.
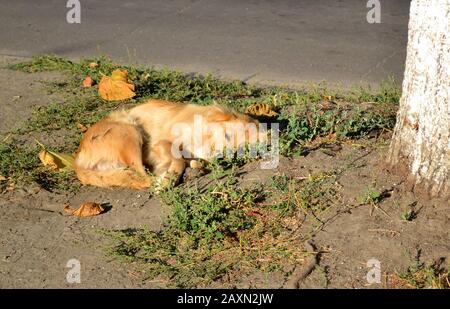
<point>310,196</point>
<point>421,276</point>
<point>20,165</point>
<point>227,231</point>
<point>342,121</point>
<point>212,233</point>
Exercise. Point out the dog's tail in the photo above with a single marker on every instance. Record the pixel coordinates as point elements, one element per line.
<point>114,177</point>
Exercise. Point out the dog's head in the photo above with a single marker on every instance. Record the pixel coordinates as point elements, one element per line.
<point>236,121</point>
<point>213,129</point>
<point>234,130</point>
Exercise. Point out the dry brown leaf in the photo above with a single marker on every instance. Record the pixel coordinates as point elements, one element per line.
<point>93,65</point>
<point>260,109</point>
<point>2,178</point>
<point>116,87</point>
<point>82,127</point>
<point>87,82</point>
<point>57,161</point>
<point>87,209</point>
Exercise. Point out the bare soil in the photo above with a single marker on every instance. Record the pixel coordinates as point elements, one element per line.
<point>38,239</point>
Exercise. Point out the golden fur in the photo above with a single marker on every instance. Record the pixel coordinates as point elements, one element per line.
<point>115,151</point>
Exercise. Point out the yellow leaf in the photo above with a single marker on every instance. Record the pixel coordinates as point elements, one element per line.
<point>47,159</point>
<point>260,109</point>
<point>93,65</point>
<point>116,87</point>
<point>66,159</point>
<point>120,75</point>
<point>58,161</point>
<point>87,209</point>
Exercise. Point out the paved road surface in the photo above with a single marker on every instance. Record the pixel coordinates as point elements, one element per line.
<point>281,42</point>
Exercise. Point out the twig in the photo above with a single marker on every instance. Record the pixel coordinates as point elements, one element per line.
<point>384,231</point>
<point>375,206</point>
<point>300,273</point>
<point>7,137</point>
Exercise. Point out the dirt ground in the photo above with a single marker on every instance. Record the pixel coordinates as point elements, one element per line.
<point>38,239</point>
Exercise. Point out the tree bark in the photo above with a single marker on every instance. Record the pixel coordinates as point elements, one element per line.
<point>420,146</point>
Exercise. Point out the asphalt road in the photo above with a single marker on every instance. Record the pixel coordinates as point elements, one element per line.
<point>276,42</point>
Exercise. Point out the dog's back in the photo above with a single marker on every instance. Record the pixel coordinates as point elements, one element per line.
<point>110,154</point>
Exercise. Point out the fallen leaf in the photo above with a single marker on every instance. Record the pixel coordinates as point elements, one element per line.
<point>116,87</point>
<point>260,109</point>
<point>47,159</point>
<point>60,161</point>
<point>2,178</point>
<point>82,127</point>
<point>93,65</point>
<point>57,161</point>
<point>87,209</point>
<point>326,97</point>
<point>87,82</point>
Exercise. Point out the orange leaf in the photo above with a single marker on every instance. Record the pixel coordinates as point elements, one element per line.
<point>260,109</point>
<point>87,82</point>
<point>116,87</point>
<point>87,209</point>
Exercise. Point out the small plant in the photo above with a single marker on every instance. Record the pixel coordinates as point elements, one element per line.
<point>373,197</point>
<point>310,123</point>
<point>409,215</point>
<point>17,162</point>
<point>420,276</point>
<point>43,63</point>
<point>370,196</point>
<point>313,195</point>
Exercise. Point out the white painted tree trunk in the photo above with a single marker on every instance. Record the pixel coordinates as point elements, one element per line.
<point>420,145</point>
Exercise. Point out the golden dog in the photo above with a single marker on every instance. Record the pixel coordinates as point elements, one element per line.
<point>161,135</point>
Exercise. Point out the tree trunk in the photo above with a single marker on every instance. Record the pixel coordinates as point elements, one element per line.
<point>420,146</point>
